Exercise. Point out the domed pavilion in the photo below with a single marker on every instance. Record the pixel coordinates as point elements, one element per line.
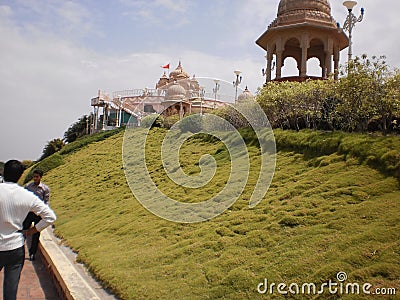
<point>303,29</point>
<point>245,96</point>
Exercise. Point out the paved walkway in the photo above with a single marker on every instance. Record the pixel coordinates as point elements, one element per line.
<point>35,282</point>
<point>74,281</point>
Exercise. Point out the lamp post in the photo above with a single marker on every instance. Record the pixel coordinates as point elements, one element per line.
<point>350,22</point>
<point>119,112</point>
<point>181,112</point>
<point>237,82</point>
<point>103,128</point>
<point>91,125</point>
<point>215,91</point>
<point>191,96</point>
<point>202,93</point>
<point>265,72</point>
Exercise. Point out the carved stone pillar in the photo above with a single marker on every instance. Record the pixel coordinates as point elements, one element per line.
<point>269,65</point>
<point>328,64</point>
<point>329,49</point>
<point>279,59</point>
<point>336,57</point>
<point>305,44</point>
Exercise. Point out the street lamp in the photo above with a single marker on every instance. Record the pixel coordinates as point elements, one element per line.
<point>104,117</point>
<point>215,91</point>
<point>237,82</point>
<point>350,22</point>
<point>119,112</point>
<point>202,93</point>
<point>181,112</point>
<point>191,97</point>
<point>264,72</point>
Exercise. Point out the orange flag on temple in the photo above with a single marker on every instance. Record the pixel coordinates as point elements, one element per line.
<point>166,66</point>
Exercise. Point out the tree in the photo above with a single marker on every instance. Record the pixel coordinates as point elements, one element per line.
<point>27,163</point>
<point>367,96</point>
<point>354,90</point>
<point>192,123</point>
<point>51,148</point>
<point>275,99</point>
<point>320,104</point>
<point>77,129</point>
<point>368,92</point>
<point>296,105</point>
<point>151,121</point>
<point>389,106</point>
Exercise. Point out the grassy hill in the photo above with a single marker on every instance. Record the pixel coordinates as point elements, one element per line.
<point>333,206</point>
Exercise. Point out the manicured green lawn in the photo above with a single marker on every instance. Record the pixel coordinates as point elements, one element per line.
<point>322,214</point>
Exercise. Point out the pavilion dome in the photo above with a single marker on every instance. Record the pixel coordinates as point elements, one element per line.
<point>194,84</point>
<point>179,73</point>
<point>245,96</point>
<point>292,6</point>
<point>175,92</point>
<point>163,81</point>
<point>292,12</point>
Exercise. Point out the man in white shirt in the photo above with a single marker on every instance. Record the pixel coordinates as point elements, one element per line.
<point>15,203</point>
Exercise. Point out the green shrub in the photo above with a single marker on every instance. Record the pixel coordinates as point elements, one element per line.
<point>170,121</point>
<point>391,159</point>
<point>151,121</point>
<point>249,136</point>
<point>192,123</point>
<point>230,114</point>
<point>378,152</point>
<point>82,142</point>
<point>52,147</point>
<point>289,221</point>
<point>223,231</point>
<point>45,165</point>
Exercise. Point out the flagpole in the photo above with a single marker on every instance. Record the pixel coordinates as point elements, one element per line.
<point>166,67</point>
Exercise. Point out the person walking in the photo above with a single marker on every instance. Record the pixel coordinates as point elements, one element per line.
<point>43,192</point>
<point>15,204</point>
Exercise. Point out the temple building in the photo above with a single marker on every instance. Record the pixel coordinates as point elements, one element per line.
<point>174,94</point>
<point>303,29</point>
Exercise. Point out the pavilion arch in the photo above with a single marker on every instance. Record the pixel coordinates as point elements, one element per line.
<point>290,67</point>
<point>308,45</point>
<point>314,68</point>
<point>148,108</point>
<point>291,49</point>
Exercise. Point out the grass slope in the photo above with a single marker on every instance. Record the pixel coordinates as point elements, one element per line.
<point>323,213</point>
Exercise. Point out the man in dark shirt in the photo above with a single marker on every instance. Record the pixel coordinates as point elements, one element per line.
<point>43,192</point>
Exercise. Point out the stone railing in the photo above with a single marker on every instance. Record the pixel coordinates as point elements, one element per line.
<point>138,92</point>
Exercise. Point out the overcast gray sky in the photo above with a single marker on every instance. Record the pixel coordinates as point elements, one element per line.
<point>56,54</point>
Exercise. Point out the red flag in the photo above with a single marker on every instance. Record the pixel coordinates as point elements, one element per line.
<point>166,66</point>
